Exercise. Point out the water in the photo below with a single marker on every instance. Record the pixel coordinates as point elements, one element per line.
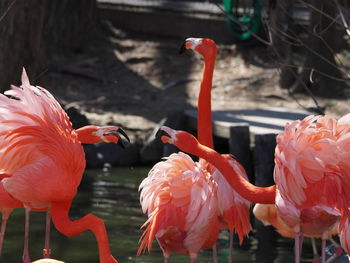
<point>113,196</point>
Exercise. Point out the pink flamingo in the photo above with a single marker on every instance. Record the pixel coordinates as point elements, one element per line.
<point>316,146</point>
<point>180,199</point>
<point>43,159</point>
<point>309,173</point>
<point>232,210</point>
<point>314,222</point>
<point>88,135</point>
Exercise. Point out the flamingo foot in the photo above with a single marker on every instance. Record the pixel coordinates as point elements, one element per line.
<point>46,253</point>
<point>26,259</point>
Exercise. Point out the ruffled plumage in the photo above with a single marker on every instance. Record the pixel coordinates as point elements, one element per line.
<point>180,200</point>
<point>233,210</point>
<point>37,141</point>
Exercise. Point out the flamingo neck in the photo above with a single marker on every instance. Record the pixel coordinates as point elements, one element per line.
<point>252,193</point>
<point>70,228</point>
<point>204,123</point>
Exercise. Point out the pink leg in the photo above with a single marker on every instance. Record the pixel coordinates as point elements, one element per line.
<point>166,257</point>
<point>26,258</point>
<point>47,250</point>
<point>215,254</point>
<point>230,247</point>
<point>5,216</point>
<point>323,251</point>
<point>193,257</point>
<point>301,240</point>
<point>314,247</point>
<point>297,247</point>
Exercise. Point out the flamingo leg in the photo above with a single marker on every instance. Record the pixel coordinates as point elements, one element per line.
<point>333,241</point>
<point>230,247</point>
<point>5,216</point>
<point>26,258</point>
<point>193,257</point>
<point>314,247</point>
<point>301,239</point>
<point>323,251</point>
<point>68,227</point>
<point>166,258</point>
<point>297,247</point>
<point>215,254</point>
<point>47,250</point>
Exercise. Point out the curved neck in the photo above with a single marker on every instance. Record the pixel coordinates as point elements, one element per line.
<point>254,194</point>
<point>68,227</point>
<point>204,122</point>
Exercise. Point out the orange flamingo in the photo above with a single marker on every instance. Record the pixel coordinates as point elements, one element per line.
<point>43,159</point>
<point>233,209</point>
<point>310,170</point>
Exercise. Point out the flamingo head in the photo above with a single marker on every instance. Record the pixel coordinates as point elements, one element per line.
<point>183,140</point>
<point>204,46</point>
<point>93,134</point>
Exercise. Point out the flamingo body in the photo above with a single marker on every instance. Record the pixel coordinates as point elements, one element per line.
<point>179,198</point>
<point>43,159</point>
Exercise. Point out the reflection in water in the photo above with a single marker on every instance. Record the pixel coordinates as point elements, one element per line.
<point>114,197</point>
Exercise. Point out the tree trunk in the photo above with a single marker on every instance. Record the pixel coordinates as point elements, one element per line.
<point>21,25</point>
<point>33,30</point>
<point>70,24</point>
<point>320,54</point>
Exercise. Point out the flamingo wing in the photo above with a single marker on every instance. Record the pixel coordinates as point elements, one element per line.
<point>37,142</point>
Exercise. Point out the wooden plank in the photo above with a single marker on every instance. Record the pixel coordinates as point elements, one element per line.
<point>220,128</point>
<point>260,121</point>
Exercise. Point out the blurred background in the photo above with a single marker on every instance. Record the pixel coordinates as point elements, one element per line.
<point>116,62</point>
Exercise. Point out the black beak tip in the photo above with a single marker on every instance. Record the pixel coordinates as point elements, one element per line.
<point>122,132</point>
<point>121,143</point>
<point>160,133</point>
<point>182,48</point>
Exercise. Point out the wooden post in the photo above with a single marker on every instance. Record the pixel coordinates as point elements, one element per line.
<point>239,144</point>
<point>263,154</point>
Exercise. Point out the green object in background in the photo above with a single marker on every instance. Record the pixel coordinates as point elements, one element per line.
<point>243,18</point>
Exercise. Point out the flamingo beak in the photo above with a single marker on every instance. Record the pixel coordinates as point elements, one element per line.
<point>166,134</point>
<point>117,133</point>
<point>183,48</point>
<point>160,133</point>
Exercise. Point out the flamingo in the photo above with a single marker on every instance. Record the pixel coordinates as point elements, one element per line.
<point>179,197</point>
<point>310,172</point>
<point>43,160</point>
<point>232,210</point>
<point>86,135</point>
<point>314,221</point>
<point>311,168</point>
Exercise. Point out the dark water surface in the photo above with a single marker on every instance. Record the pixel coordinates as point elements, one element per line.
<point>113,196</point>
